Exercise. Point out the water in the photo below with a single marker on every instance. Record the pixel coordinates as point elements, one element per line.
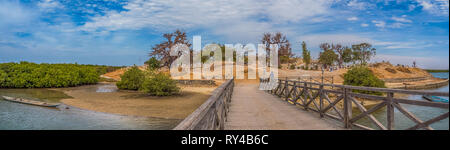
<point>15,116</point>
<point>424,113</point>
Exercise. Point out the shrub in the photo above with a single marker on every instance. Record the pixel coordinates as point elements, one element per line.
<point>362,76</point>
<point>284,59</point>
<point>292,67</point>
<point>153,63</point>
<point>131,79</point>
<point>159,84</point>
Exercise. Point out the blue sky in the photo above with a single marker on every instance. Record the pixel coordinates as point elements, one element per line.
<point>115,32</point>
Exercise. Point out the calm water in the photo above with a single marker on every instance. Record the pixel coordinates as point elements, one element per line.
<point>15,116</point>
<point>424,113</point>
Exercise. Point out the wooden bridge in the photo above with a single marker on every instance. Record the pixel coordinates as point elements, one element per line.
<point>305,105</point>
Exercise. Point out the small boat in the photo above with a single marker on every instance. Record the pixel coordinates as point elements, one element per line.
<point>31,102</point>
<point>435,99</point>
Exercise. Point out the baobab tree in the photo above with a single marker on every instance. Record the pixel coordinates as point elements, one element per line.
<point>162,50</point>
<point>339,49</point>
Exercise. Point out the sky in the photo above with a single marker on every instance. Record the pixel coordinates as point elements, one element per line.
<point>116,32</point>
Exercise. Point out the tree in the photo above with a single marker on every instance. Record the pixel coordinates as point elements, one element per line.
<point>363,52</point>
<point>284,47</point>
<point>339,49</point>
<point>327,57</point>
<point>347,55</point>
<point>162,50</point>
<point>306,55</point>
<point>414,64</point>
<point>153,63</point>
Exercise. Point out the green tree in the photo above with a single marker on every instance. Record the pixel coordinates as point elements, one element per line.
<point>159,84</point>
<point>363,76</point>
<point>131,79</point>
<point>306,55</point>
<point>327,57</point>
<point>363,52</point>
<point>153,63</point>
<point>347,55</point>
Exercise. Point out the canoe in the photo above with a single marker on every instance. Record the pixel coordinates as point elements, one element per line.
<point>30,102</point>
<point>435,99</point>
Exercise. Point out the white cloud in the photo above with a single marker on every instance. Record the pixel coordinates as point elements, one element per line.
<point>359,5</point>
<point>352,18</point>
<point>436,7</point>
<point>380,24</point>
<point>49,5</point>
<point>401,19</point>
<point>364,25</point>
<point>15,13</point>
<point>169,14</point>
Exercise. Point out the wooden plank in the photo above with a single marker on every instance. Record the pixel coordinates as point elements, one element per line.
<point>411,116</point>
<point>426,123</point>
<point>371,110</point>
<point>422,103</point>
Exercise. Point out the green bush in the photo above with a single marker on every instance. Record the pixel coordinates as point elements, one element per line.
<point>32,75</point>
<point>131,79</point>
<point>362,76</point>
<point>159,84</point>
<point>284,59</point>
<point>292,67</point>
<point>153,63</point>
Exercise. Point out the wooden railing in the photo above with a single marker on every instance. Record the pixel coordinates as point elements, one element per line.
<point>321,98</point>
<point>212,114</point>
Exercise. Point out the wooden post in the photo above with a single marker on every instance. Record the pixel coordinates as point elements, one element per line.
<point>332,82</point>
<point>347,109</point>
<point>305,96</point>
<point>286,85</point>
<point>390,111</point>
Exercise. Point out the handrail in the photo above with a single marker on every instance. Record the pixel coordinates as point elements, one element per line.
<point>211,115</point>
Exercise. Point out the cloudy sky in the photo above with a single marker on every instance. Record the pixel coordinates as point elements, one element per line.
<point>115,32</point>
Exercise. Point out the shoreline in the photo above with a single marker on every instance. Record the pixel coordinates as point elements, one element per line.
<point>131,103</point>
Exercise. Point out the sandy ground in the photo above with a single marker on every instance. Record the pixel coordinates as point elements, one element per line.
<point>137,104</point>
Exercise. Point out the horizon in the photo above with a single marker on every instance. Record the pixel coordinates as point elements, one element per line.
<point>121,33</point>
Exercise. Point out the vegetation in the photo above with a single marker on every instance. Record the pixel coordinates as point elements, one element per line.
<point>153,63</point>
<point>435,70</point>
<point>327,57</point>
<point>306,55</point>
<point>362,76</point>
<point>131,79</point>
<point>363,52</point>
<point>292,66</point>
<point>32,75</point>
<point>284,47</point>
<point>159,84</point>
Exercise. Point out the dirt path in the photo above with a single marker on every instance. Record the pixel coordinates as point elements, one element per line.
<point>257,110</point>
